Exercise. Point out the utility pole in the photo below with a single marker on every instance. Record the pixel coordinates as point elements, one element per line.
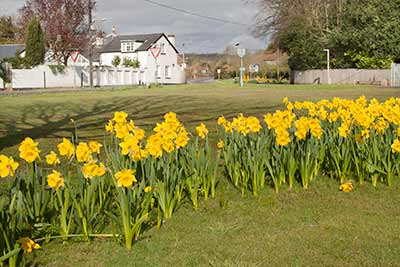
<point>183,55</point>
<point>278,75</point>
<point>90,45</point>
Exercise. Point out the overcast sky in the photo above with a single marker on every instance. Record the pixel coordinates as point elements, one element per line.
<point>198,34</point>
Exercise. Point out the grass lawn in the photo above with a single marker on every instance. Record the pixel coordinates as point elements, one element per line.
<point>316,227</point>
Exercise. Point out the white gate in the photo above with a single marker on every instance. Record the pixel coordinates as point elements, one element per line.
<point>395,75</point>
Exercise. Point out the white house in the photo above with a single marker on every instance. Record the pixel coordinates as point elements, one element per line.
<point>163,69</point>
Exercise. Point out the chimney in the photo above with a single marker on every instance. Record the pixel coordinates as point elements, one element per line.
<point>99,41</point>
<point>114,30</point>
<point>171,38</point>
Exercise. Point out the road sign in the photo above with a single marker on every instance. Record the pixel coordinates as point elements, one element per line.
<point>155,51</point>
<point>74,56</point>
<point>254,68</point>
<point>241,52</point>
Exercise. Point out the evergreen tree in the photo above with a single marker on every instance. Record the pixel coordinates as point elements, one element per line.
<point>34,44</point>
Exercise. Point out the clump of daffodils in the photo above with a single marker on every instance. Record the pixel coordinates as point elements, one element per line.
<point>241,124</point>
<point>167,136</point>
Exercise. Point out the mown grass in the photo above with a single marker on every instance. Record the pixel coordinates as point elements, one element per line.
<point>316,227</point>
<point>47,117</point>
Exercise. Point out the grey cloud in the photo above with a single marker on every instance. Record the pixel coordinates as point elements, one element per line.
<point>199,34</point>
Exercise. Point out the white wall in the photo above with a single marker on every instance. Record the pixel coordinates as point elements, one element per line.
<point>341,76</point>
<point>119,76</point>
<point>74,76</point>
<point>43,76</point>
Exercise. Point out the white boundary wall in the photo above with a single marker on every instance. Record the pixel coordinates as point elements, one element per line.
<point>44,77</point>
<point>395,80</point>
<point>342,76</point>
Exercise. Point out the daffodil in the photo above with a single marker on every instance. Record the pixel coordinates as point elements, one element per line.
<point>221,120</point>
<point>121,130</point>
<point>170,117</point>
<point>182,139</point>
<point>109,127</point>
<point>66,148</point>
<point>346,187</point>
<point>220,144</point>
<point>95,147</point>
<point>55,180</point>
<point>52,159</point>
<point>129,145</point>
<point>7,166</point>
<point>83,152</point>
<point>28,244</point>
<point>396,146</point>
<point>91,170</point>
<point>125,178</point>
<point>28,150</point>
<point>139,133</point>
<point>120,117</point>
<point>202,130</point>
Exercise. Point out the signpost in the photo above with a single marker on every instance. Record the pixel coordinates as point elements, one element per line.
<point>155,52</point>
<point>254,68</point>
<point>74,56</point>
<point>241,53</point>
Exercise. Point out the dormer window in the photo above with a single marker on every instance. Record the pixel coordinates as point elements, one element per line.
<point>128,46</point>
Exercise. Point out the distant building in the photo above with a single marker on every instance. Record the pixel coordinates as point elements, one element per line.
<point>271,58</point>
<point>10,50</point>
<point>165,69</point>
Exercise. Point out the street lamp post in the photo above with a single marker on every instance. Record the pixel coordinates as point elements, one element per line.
<point>183,56</point>
<point>241,53</point>
<point>328,65</point>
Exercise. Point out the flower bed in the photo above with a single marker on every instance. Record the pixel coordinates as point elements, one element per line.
<point>135,180</point>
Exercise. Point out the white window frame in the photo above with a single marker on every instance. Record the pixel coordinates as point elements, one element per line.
<point>168,72</point>
<point>123,47</point>
<point>127,47</point>
<point>158,71</point>
<point>162,48</point>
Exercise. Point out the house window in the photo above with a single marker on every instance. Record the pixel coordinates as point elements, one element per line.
<point>127,47</point>
<point>163,48</point>
<point>168,72</point>
<point>158,71</point>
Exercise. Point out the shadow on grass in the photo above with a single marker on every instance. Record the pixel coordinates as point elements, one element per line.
<point>53,121</point>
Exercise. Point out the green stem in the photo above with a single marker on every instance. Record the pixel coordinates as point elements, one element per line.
<point>10,254</point>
